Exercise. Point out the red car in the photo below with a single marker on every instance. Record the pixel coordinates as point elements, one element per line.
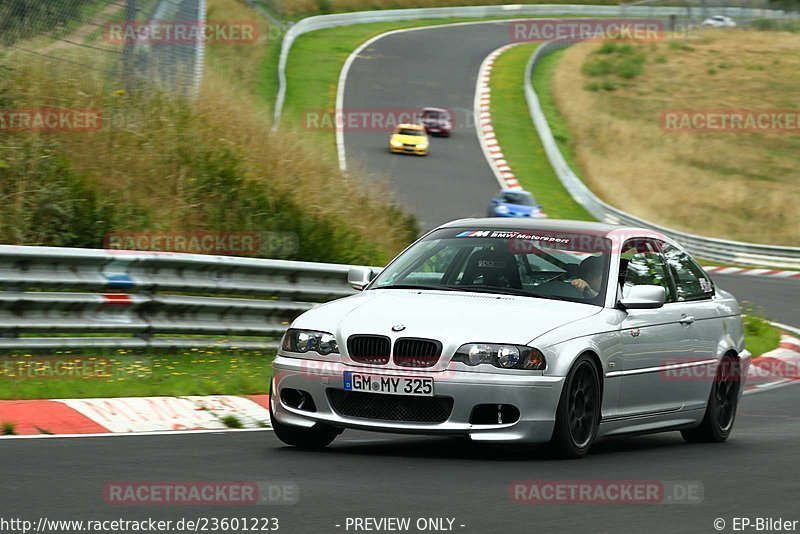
<point>437,121</point>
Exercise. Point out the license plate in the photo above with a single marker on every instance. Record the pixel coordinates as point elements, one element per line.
<point>388,385</point>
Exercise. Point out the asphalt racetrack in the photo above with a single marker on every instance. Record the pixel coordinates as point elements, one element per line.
<point>753,475</point>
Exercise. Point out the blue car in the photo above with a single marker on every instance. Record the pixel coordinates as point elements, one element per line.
<point>514,203</point>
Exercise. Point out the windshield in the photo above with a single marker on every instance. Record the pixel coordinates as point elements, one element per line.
<point>522,199</point>
<point>435,115</point>
<point>409,131</point>
<point>552,265</point>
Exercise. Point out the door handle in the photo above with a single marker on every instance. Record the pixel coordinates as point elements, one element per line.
<point>686,319</point>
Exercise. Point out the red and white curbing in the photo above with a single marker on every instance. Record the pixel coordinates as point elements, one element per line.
<point>486,136</point>
<point>777,367</point>
<point>753,272</point>
<point>134,415</point>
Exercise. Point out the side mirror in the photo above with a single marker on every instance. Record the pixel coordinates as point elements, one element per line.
<point>495,200</point>
<point>644,298</point>
<point>359,277</point>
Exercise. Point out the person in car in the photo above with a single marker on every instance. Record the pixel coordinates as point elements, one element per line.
<point>590,277</point>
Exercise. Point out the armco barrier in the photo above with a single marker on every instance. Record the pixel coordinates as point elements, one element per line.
<point>48,291</point>
<point>729,252</point>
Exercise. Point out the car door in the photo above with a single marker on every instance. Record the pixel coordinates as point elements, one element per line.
<point>694,294</point>
<point>652,340</point>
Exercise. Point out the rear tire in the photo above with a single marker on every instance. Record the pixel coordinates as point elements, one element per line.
<point>578,412</point>
<point>721,407</point>
<point>317,437</point>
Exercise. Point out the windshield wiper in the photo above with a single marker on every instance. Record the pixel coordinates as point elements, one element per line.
<point>492,289</point>
<point>506,291</point>
<point>415,286</point>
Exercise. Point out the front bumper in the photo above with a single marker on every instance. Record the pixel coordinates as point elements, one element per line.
<point>536,397</point>
<point>408,150</point>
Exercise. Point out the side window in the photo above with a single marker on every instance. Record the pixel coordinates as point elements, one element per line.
<point>642,264</point>
<point>691,282</point>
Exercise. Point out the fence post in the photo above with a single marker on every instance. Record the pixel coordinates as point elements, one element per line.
<point>127,53</point>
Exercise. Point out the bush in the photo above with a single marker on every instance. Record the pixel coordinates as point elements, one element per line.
<point>44,202</point>
<point>161,165</point>
<point>614,59</point>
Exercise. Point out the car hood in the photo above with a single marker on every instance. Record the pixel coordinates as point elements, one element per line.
<point>409,139</point>
<point>452,317</point>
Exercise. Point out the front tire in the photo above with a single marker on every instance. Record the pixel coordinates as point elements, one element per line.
<point>721,408</point>
<point>578,412</point>
<point>318,436</point>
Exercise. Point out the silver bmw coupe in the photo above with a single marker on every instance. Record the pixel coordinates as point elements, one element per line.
<point>527,331</point>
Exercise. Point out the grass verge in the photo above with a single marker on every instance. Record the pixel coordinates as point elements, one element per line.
<point>760,336</point>
<point>517,136</point>
<point>637,114</point>
<point>133,373</point>
<point>542,79</point>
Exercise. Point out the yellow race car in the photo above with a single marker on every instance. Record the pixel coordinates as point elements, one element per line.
<point>409,139</point>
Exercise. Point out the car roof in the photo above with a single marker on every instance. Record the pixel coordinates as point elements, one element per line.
<point>555,225</point>
<point>411,126</point>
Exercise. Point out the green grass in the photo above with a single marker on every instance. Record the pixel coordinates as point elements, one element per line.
<point>517,136</point>
<point>760,336</point>
<point>134,373</point>
<point>542,84</point>
<point>231,421</point>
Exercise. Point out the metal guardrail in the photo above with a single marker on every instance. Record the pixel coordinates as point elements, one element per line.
<point>320,22</point>
<point>731,252</point>
<point>116,298</point>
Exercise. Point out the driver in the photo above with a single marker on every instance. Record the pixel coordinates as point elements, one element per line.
<point>590,277</point>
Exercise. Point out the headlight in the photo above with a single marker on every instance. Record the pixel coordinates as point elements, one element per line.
<point>502,209</point>
<point>423,146</point>
<point>395,143</point>
<point>295,340</point>
<point>503,356</point>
